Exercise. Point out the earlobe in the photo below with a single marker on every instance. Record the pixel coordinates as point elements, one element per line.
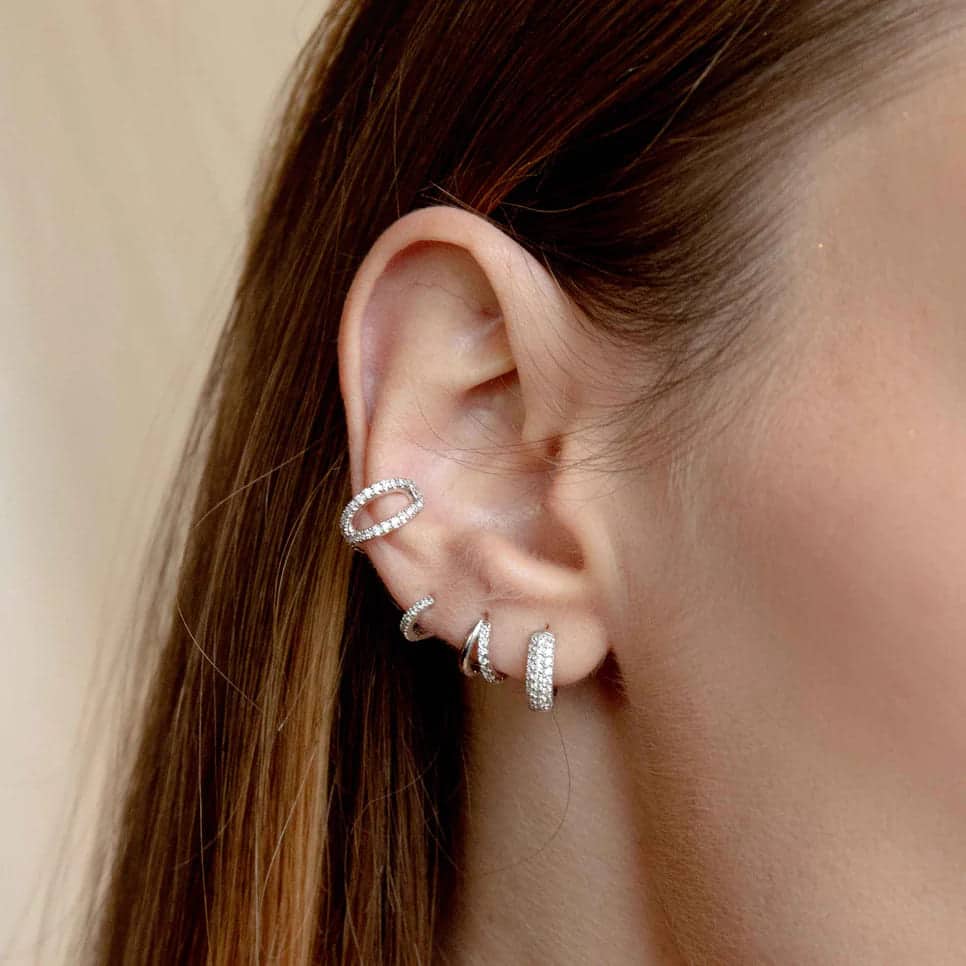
<point>450,350</point>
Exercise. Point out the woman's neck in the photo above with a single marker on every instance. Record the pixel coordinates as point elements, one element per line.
<point>552,865</point>
<point>778,844</point>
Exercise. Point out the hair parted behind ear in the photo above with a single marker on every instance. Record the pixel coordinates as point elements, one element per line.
<point>294,793</point>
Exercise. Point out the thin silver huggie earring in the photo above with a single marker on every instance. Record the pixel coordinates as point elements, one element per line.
<point>466,654</point>
<point>480,636</point>
<point>539,677</point>
<point>392,485</point>
<point>410,629</point>
<point>490,674</point>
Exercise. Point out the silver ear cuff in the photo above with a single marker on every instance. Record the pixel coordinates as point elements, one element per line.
<point>392,485</point>
<point>539,676</point>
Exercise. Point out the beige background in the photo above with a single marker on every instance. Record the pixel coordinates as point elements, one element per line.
<point>129,132</point>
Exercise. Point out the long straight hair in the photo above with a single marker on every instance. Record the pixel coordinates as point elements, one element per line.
<point>294,789</point>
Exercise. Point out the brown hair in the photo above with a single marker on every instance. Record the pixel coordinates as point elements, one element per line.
<point>295,792</point>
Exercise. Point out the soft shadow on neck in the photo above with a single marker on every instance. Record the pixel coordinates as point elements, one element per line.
<point>552,866</point>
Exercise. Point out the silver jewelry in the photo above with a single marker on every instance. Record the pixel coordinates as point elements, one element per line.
<point>410,629</point>
<point>539,677</point>
<point>490,674</point>
<point>480,636</point>
<point>467,665</point>
<point>392,485</point>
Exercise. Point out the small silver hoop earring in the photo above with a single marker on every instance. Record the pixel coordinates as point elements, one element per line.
<point>490,674</point>
<point>480,636</point>
<point>539,677</point>
<point>392,485</point>
<point>410,629</point>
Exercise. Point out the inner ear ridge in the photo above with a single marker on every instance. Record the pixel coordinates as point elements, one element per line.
<point>498,404</point>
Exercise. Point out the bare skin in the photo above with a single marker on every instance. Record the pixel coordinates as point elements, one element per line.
<point>777,775</point>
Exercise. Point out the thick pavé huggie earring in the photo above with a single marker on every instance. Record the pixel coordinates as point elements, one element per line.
<point>392,485</point>
<point>539,677</point>
<point>410,629</point>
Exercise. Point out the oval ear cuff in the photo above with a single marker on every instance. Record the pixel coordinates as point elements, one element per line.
<point>395,484</point>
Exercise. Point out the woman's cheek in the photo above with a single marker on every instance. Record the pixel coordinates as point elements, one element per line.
<point>852,516</point>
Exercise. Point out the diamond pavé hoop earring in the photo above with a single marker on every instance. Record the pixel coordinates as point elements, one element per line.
<point>539,677</point>
<point>480,637</point>
<point>391,485</point>
<point>490,674</point>
<point>410,629</point>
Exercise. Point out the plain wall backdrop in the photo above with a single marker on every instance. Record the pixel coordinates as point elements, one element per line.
<point>130,132</point>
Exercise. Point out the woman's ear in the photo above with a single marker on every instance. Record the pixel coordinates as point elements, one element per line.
<point>464,367</point>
